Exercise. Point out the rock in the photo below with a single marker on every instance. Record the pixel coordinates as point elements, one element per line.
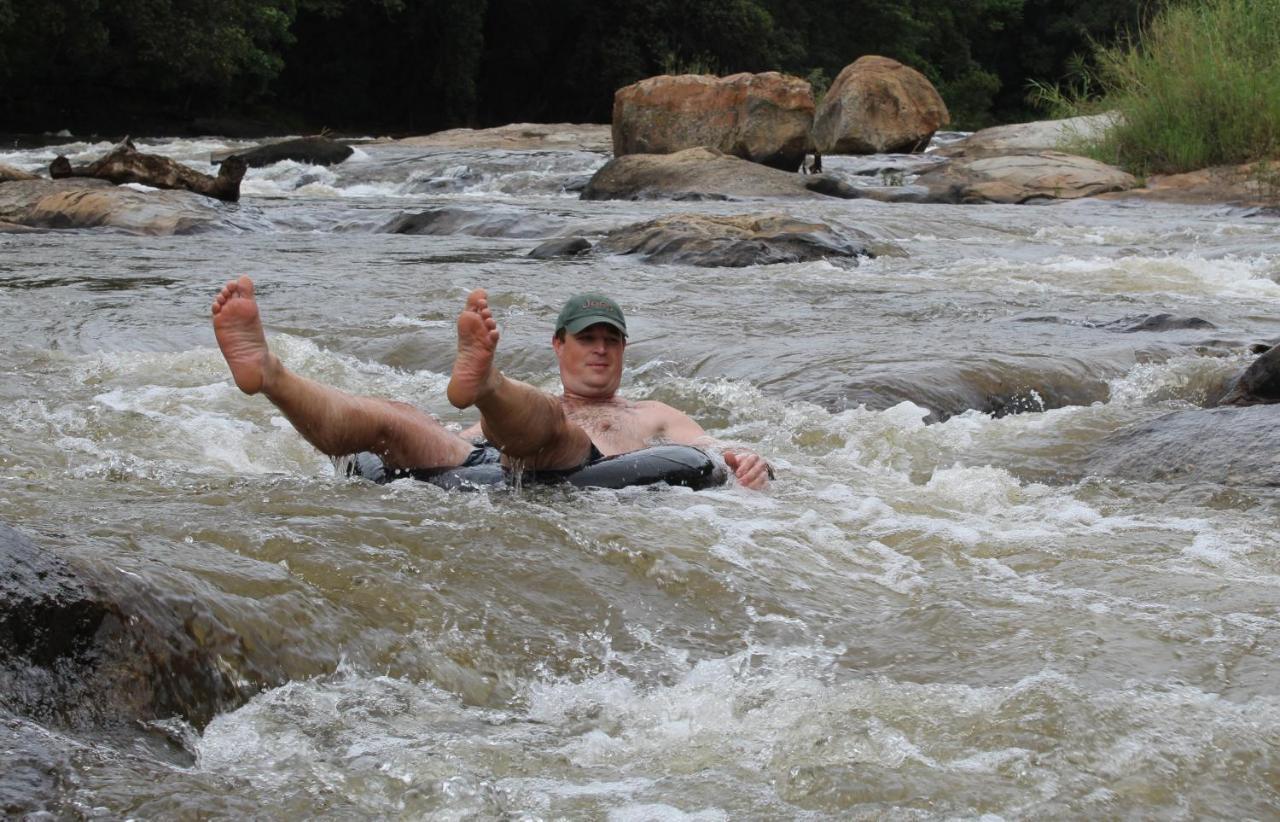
<point>108,650</point>
<point>316,151</point>
<point>1259,384</point>
<point>764,118</point>
<point>88,203</point>
<point>125,164</point>
<point>1026,138</point>
<point>473,222</point>
<point>520,137</point>
<point>877,105</point>
<point>9,174</point>
<point>738,241</point>
<point>703,174</point>
<point>563,247</point>
<point>1131,324</point>
<point>1227,446</point>
<point>1243,185</point>
<point>1019,178</point>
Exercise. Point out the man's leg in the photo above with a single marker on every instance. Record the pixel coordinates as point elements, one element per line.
<point>335,422</point>
<point>527,424</point>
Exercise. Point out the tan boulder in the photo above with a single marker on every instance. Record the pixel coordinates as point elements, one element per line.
<point>877,105</point>
<point>764,118</point>
<point>88,203</point>
<point>518,137</point>
<point>9,174</point>
<point>1021,178</point>
<point>703,174</point>
<point>1042,135</point>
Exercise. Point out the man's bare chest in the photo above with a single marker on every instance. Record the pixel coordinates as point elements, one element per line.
<point>613,428</point>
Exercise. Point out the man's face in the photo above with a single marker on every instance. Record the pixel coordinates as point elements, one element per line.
<point>591,360</point>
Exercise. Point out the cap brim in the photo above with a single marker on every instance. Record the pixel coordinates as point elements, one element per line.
<point>577,325</point>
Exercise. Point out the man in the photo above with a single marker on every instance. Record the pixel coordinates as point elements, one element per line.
<point>542,431</point>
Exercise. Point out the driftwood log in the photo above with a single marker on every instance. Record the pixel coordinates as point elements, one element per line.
<point>125,164</point>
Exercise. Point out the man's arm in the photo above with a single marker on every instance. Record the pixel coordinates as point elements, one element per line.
<point>750,468</point>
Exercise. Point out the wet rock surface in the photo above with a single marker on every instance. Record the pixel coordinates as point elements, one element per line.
<point>737,241</point>
<point>92,648</point>
<point>1226,446</point>
<point>88,203</point>
<point>764,118</point>
<point>450,220</point>
<point>1022,178</point>
<point>316,151</point>
<point>564,247</point>
<point>9,174</point>
<point>1259,384</point>
<point>703,174</point>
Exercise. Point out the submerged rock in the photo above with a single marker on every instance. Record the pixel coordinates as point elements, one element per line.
<point>1021,178</point>
<point>703,174</point>
<point>79,649</point>
<point>877,106</point>
<point>1259,384</point>
<point>764,118</point>
<point>1131,324</point>
<point>449,220</point>
<point>1226,446</point>
<point>706,240</point>
<point>86,203</point>
<point>563,247</point>
<point>316,151</point>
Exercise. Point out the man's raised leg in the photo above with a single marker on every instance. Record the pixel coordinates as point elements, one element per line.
<point>335,422</point>
<point>527,424</point>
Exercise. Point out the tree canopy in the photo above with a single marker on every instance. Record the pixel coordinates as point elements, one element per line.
<point>419,65</point>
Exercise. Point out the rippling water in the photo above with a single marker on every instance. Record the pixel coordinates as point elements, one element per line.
<point>936,611</point>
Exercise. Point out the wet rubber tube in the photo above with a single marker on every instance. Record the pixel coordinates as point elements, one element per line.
<point>673,464</point>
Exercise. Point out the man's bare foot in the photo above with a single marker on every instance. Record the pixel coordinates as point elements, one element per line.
<point>238,329</point>
<point>473,375</point>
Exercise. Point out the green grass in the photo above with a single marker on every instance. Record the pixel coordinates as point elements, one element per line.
<point>1199,87</point>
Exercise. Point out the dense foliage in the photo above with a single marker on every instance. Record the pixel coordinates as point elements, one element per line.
<point>1200,87</point>
<point>418,65</point>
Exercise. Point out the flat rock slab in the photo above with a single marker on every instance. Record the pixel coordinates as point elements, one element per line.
<point>1025,138</point>
<point>1227,446</point>
<point>87,203</point>
<point>1021,178</point>
<point>520,137</point>
<point>703,174</point>
<point>737,241</point>
<point>1243,185</point>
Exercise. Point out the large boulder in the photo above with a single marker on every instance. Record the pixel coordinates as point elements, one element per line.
<point>731,241</point>
<point>703,174</point>
<point>316,151</point>
<point>764,118</point>
<point>877,105</point>
<point>1021,178</point>
<point>78,648</point>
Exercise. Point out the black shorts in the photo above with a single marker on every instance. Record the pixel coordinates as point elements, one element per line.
<point>486,453</point>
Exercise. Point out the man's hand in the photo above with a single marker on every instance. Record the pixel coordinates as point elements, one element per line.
<point>750,469</point>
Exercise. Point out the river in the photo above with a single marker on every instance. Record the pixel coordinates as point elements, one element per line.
<point>936,611</point>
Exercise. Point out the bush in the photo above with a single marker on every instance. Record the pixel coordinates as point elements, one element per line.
<point>1201,87</point>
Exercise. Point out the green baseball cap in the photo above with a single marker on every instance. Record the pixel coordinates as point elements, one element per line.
<point>585,310</point>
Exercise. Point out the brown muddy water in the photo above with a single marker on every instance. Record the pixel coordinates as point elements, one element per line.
<point>937,611</point>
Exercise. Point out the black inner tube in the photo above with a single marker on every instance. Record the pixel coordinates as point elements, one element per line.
<point>673,464</point>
